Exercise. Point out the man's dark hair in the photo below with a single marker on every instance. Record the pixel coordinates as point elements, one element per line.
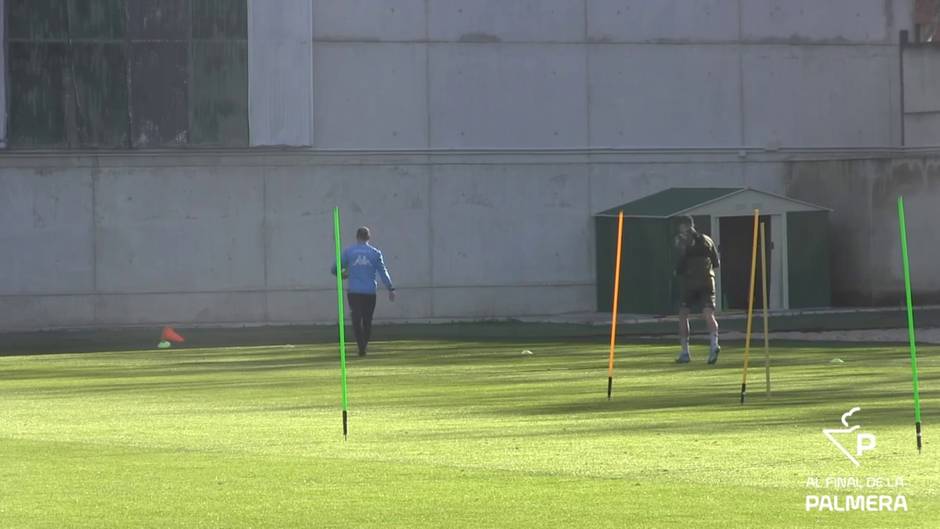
<point>685,219</point>
<point>362,234</point>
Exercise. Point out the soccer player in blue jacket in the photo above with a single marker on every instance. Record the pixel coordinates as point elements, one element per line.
<point>360,263</point>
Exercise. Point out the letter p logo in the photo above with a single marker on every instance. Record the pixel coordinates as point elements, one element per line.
<point>864,443</point>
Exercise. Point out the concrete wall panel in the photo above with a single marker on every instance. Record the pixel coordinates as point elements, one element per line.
<point>922,130</point>
<point>3,77</point>
<point>370,96</point>
<point>179,229</point>
<point>280,72</point>
<point>369,20</point>
<point>46,231</point>
<point>842,186</point>
<point>508,302</point>
<point>900,14</point>
<point>838,21</point>
<point>304,307</point>
<point>767,176</point>
<point>866,259</point>
<point>918,181</point>
<point>499,20</point>
<point>46,312</point>
<point>508,95</point>
<point>921,80</point>
<point>819,96</point>
<point>185,308</point>
<point>664,96</point>
<point>530,225</point>
<point>662,21</point>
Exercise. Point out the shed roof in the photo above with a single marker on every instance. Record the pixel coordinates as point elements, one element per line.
<point>679,200</point>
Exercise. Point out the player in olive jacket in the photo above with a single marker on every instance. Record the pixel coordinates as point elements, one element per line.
<point>698,259</point>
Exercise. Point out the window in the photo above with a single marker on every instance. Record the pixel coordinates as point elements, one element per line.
<point>127,73</point>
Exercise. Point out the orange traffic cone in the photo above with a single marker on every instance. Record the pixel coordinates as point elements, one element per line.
<point>169,335</point>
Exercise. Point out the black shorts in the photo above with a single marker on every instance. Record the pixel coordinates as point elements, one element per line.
<point>698,298</point>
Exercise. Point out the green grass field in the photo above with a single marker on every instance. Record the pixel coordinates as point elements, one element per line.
<point>455,434</point>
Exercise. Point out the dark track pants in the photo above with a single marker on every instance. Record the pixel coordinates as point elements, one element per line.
<point>362,307</point>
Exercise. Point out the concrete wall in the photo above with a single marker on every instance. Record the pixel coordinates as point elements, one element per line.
<point>105,240</point>
<point>3,74</point>
<point>866,253</point>
<point>202,238</point>
<point>450,74</point>
<point>280,72</point>
<point>922,96</point>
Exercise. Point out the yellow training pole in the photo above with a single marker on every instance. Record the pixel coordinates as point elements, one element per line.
<point>613,315</point>
<point>763,272</point>
<point>750,306</point>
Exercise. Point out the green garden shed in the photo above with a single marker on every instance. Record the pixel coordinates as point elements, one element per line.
<point>797,249</point>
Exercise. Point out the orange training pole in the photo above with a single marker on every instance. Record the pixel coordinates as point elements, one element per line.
<point>613,315</point>
<point>750,306</point>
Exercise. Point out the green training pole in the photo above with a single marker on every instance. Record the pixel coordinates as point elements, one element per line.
<point>341,319</point>
<point>910,321</point>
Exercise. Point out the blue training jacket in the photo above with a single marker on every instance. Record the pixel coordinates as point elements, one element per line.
<point>363,261</point>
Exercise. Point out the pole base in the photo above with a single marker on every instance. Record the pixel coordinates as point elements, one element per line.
<point>610,386</point>
<point>919,437</point>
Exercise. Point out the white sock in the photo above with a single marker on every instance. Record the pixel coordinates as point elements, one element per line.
<point>684,342</point>
<point>714,340</point>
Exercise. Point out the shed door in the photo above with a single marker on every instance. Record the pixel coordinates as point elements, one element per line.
<point>736,250</point>
<point>808,255</point>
